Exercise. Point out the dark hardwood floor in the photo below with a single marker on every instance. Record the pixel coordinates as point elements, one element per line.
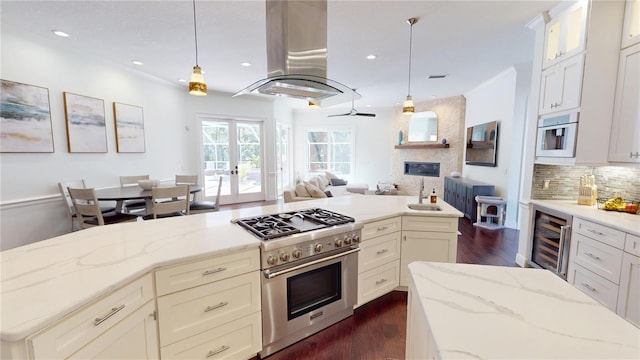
<point>376,330</point>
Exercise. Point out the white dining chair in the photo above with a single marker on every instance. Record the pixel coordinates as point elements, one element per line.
<point>87,209</point>
<point>169,201</point>
<point>71,212</point>
<point>196,207</point>
<point>133,206</point>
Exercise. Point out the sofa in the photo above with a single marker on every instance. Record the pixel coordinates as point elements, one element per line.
<point>321,186</point>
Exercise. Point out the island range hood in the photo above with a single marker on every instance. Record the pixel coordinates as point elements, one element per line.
<point>297,55</point>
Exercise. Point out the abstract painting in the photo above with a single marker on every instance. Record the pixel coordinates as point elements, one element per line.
<point>86,128</point>
<point>129,128</point>
<point>25,118</point>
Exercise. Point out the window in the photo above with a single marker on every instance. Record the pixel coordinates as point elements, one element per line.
<point>330,150</point>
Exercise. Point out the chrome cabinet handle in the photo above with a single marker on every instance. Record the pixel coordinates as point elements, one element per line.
<point>589,287</point>
<point>380,252</point>
<point>595,257</point>
<point>114,311</point>
<point>595,232</point>
<point>215,271</point>
<point>380,228</point>
<point>561,245</point>
<point>218,351</point>
<point>218,306</point>
<point>381,281</point>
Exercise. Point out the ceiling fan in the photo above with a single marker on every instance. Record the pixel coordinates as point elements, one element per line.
<point>353,111</point>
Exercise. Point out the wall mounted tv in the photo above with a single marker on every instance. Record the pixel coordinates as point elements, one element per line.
<point>482,141</point>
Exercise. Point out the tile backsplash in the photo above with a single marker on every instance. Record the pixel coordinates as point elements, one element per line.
<point>564,181</point>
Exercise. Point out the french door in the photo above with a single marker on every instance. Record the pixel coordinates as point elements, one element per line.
<point>232,149</point>
<point>283,157</point>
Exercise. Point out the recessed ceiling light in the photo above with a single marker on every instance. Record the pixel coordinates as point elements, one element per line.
<point>371,57</point>
<point>136,62</point>
<point>246,64</point>
<point>60,33</point>
<point>182,80</point>
<point>433,96</point>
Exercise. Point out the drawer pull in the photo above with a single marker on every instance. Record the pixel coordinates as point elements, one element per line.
<point>595,232</point>
<point>594,257</point>
<point>210,307</point>
<point>210,272</point>
<point>589,287</point>
<point>380,252</point>
<point>216,352</point>
<point>382,228</point>
<point>114,311</point>
<point>381,281</point>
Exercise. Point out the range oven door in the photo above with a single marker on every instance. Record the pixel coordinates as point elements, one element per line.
<point>557,136</point>
<point>551,240</point>
<point>301,300</point>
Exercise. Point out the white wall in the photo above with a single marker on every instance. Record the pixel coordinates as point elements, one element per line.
<point>31,208</point>
<point>502,98</point>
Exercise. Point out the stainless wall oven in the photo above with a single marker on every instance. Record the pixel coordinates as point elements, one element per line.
<point>557,135</point>
<point>551,240</point>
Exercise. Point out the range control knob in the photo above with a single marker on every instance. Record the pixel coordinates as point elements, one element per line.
<point>284,257</point>
<point>338,243</point>
<point>356,239</point>
<point>272,260</point>
<point>297,254</point>
<point>317,247</point>
<point>347,241</point>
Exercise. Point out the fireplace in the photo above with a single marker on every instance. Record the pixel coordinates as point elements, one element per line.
<point>422,168</point>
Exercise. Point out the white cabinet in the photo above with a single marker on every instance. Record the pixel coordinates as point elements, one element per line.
<point>427,239</point>
<point>102,323</point>
<point>420,343</point>
<point>211,308</point>
<point>631,25</point>
<point>565,34</point>
<point>629,291</point>
<point>561,85</point>
<point>378,259</point>
<point>624,144</point>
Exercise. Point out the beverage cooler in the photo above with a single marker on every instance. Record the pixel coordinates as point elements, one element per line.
<point>551,240</point>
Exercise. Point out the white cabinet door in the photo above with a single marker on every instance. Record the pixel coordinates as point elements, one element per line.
<point>631,27</point>
<point>624,144</point>
<point>425,246</point>
<point>629,290</point>
<point>135,337</point>
<point>565,34</point>
<point>561,85</point>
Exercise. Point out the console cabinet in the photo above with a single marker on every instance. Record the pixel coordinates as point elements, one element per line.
<point>461,193</point>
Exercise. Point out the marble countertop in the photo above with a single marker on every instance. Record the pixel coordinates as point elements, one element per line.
<point>629,223</point>
<point>491,312</point>
<point>44,281</point>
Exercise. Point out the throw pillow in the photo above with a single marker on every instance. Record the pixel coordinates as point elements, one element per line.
<point>338,182</point>
<point>315,191</point>
<point>330,175</point>
<point>301,190</point>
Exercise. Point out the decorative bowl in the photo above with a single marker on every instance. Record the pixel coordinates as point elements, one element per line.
<point>148,184</point>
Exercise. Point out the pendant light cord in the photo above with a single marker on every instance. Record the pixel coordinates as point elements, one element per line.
<point>195,30</point>
<point>411,22</point>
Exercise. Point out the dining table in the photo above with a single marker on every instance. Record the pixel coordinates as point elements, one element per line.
<point>121,194</point>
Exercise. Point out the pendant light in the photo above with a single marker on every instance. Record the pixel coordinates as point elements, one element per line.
<point>197,86</point>
<point>408,108</point>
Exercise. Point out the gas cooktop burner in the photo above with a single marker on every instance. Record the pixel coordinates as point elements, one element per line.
<point>278,225</point>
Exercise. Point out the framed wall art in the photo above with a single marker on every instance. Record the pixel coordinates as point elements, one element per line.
<point>129,124</point>
<point>86,128</point>
<point>25,119</point>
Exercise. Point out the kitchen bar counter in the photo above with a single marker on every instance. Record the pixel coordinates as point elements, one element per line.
<point>42,282</point>
<point>489,312</point>
<point>629,223</point>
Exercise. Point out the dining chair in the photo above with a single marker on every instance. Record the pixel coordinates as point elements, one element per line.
<point>169,201</point>
<point>130,206</point>
<point>87,209</point>
<point>63,186</point>
<point>196,207</point>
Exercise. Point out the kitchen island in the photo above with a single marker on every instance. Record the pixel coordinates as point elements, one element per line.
<point>46,283</point>
<point>487,312</point>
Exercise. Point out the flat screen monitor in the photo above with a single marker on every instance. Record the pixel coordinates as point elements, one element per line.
<point>482,141</point>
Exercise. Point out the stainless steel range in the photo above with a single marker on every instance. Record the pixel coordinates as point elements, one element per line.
<point>309,264</point>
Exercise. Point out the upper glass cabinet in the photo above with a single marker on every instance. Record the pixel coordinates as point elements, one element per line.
<point>423,127</point>
<point>565,34</point>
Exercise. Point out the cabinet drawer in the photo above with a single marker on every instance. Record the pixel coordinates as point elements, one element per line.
<point>377,282</point>
<point>70,334</point>
<point>378,251</point>
<point>192,311</point>
<point>184,276</point>
<point>600,289</point>
<point>632,244</point>
<point>598,232</point>
<point>382,227</point>
<point>239,339</point>
<point>426,223</point>
<point>599,258</point>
